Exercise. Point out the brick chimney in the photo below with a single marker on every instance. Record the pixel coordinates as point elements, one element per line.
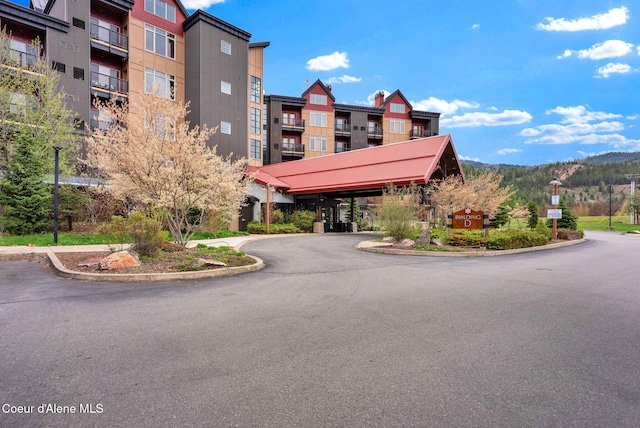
<point>379,99</point>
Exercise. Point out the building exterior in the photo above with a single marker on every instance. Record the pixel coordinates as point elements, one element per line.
<point>315,125</point>
<point>121,49</point>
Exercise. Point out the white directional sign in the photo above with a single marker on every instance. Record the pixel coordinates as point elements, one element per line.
<point>554,213</point>
<point>555,199</point>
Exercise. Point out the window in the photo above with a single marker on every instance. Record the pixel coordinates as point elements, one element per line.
<point>107,78</point>
<point>225,127</point>
<point>159,41</point>
<point>289,144</point>
<point>397,108</point>
<point>397,126</point>
<point>288,119</point>
<point>161,9</point>
<point>225,47</point>
<point>318,99</point>
<point>318,118</point>
<point>255,120</point>
<point>161,82</point>
<point>58,66</point>
<point>256,89</point>
<point>23,54</point>
<point>225,87</point>
<point>78,73</point>
<point>79,23</point>
<point>256,149</point>
<point>318,143</point>
<point>161,126</point>
<point>108,33</point>
<point>17,102</point>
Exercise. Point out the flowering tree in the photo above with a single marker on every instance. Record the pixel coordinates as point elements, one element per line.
<point>148,153</point>
<point>482,192</point>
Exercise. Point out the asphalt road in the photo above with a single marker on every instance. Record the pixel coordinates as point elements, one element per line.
<point>327,336</point>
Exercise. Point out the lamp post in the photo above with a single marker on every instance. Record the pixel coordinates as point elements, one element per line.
<point>555,200</point>
<point>55,192</point>
<point>610,192</point>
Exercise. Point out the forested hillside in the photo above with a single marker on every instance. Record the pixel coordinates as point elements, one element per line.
<point>585,183</point>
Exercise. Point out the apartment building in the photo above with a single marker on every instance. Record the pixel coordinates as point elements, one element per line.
<point>105,49</point>
<point>315,125</point>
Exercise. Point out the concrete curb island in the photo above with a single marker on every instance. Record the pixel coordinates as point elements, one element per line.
<point>383,248</point>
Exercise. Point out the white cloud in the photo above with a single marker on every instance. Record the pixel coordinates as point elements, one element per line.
<point>612,68</point>
<point>328,62</point>
<point>603,21</point>
<point>344,79</point>
<point>442,106</point>
<point>580,114</point>
<point>475,26</point>
<point>467,158</point>
<point>475,119</point>
<point>200,4</point>
<point>508,151</point>
<point>608,49</point>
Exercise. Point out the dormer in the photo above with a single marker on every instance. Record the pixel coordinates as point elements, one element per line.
<point>319,97</point>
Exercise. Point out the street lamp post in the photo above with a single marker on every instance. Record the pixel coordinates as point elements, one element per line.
<point>55,193</point>
<point>555,200</point>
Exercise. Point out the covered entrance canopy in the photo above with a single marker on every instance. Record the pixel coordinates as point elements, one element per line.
<point>364,172</point>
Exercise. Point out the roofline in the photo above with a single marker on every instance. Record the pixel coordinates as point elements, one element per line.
<point>200,15</point>
<point>28,16</point>
<point>259,44</point>
<point>396,92</point>
<point>297,101</point>
<point>364,109</point>
<point>326,89</point>
<point>420,114</point>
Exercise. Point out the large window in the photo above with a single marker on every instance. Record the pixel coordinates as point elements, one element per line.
<point>162,126</point>
<point>159,41</point>
<point>255,120</point>
<point>318,118</point>
<point>397,108</point>
<point>318,99</point>
<point>256,149</point>
<point>159,81</point>
<point>318,143</point>
<point>161,9</point>
<point>397,126</point>
<point>256,89</point>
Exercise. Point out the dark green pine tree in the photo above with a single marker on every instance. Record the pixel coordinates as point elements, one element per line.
<point>25,197</point>
<point>533,215</point>
<point>568,220</point>
<point>501,218</point>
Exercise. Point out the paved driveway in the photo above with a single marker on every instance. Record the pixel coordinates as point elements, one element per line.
<point>329,336</point>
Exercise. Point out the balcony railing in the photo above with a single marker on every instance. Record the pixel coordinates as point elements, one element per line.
<point>292,122</point>
<point>20,59</point>
<point>420,133</point>
<point>342,147</point>
<point>109,83</point>
<point>374,131</point>
<point>293,148</point>
<point>98,123</point>
<point>109,36</point>
<point>343,127</point>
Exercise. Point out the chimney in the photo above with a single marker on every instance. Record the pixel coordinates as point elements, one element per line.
<point>379,99</point>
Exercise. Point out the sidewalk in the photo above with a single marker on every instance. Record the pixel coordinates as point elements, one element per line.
<point>232,241</point>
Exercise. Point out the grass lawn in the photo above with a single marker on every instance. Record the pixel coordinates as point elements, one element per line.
<point>619,223</point>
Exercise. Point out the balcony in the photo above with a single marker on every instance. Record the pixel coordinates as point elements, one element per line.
<point>20,59</point>
<point>109,40</point>
<point>342,147</point>
<point>109,86</point>
<point>374,132</point>
<point>342,128</point>
<point>293,124</point>
<point>292,151</point>
<point>420,133</point>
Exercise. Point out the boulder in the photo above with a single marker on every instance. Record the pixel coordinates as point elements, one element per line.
<point>120,259</point>
<point>406,242</point>
<point>425,238</point>
<point>210,263</point>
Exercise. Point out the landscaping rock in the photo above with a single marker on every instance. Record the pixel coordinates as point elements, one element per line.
<point>425,238</point>
<point>406,243</point>
<point>209,263</point>
<point>91,262</point>
<point>438,242</point>
<point>119,259</point>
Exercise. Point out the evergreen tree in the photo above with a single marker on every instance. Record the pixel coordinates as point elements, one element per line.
<point>568,220</point>
<point>25,196</point>
<point>533,215</point>
<point>501,218</point>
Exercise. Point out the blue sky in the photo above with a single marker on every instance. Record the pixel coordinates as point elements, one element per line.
<point>517,81</point>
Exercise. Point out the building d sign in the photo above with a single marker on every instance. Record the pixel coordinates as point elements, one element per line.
<point>468,219</point>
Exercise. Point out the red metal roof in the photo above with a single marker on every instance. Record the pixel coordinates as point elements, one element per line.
<point>371,168</point>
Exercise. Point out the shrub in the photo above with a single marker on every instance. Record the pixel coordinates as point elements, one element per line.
<point>147,234</point>
<point>569,234</point>
<point>255,227</point>
<point>261,228</point>
<point>277,217</point>
<point>515,238</point>
<point>542,229</point>
<point>303,220</point>
<point>398,211</point>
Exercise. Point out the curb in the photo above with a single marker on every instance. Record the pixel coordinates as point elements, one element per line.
<point>383,249</point>
<point>151,277</point>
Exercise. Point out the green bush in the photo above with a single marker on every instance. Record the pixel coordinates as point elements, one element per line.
<point>542,229</point>
<point>261,228</point>
<point>468,238</point>
<point>515,238</point>
<point>568,234</point>
<point>277,216</point>
<point>303,220</point>
<point>146,233</point>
